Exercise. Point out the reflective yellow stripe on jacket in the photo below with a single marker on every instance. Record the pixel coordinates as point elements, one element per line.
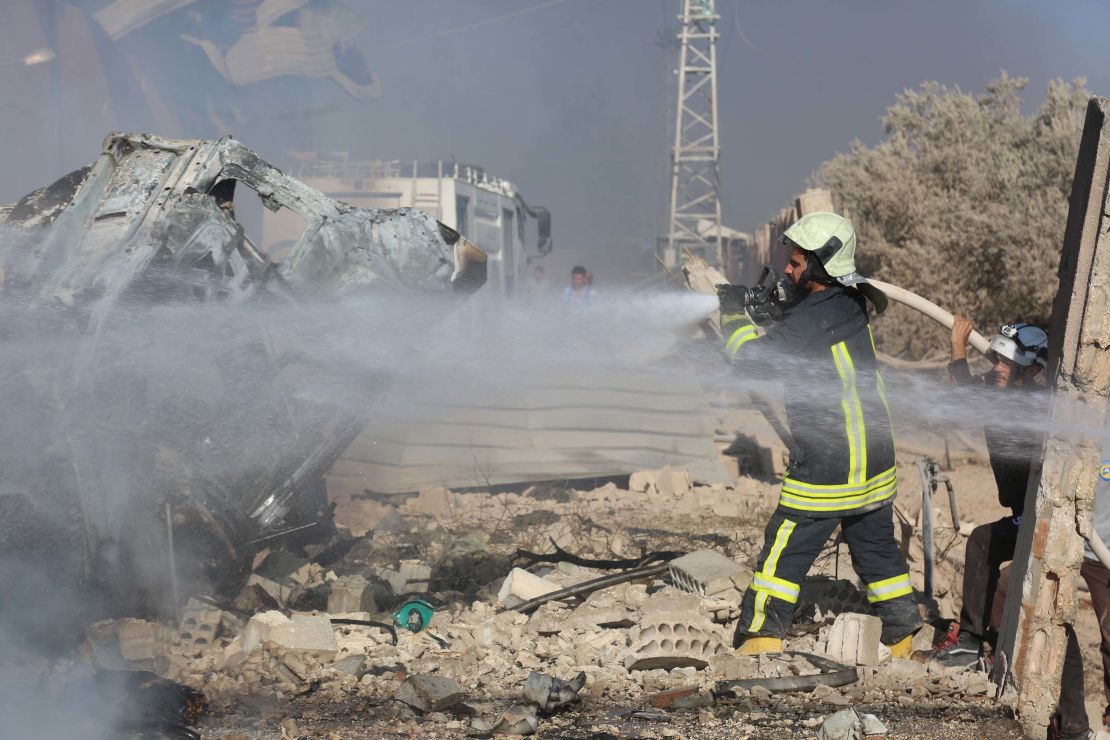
<point>739,330</point>
<point>859,490</point>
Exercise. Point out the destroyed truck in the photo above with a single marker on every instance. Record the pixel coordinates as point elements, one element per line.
<point>142,494</point>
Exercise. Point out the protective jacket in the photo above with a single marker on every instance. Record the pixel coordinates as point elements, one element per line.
<point>842,461</point>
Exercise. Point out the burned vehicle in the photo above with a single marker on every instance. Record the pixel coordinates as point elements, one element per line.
<point>149,413</point>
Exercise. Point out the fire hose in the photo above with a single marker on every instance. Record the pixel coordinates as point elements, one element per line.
<point>979,342</point>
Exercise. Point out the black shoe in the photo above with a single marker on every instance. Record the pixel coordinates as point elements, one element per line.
<point>965,650</point>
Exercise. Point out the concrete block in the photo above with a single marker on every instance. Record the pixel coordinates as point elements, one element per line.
<point>351,594</point>
<point>429,693</point>
<point>669,641</point>
<point>200,626</point>
<point>854,639</point>
<point>707,572</point>
<point>520,586</point>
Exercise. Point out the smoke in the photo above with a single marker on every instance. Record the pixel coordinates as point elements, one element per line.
<point>223,395</point>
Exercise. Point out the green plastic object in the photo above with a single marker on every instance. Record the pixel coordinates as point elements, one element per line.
<point>414,615</point>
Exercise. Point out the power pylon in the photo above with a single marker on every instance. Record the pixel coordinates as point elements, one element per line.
<point>695,159</point>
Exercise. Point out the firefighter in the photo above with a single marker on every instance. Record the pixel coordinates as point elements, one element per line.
<point>842,470</point>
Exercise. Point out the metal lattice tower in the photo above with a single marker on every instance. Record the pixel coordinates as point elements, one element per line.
<point>695,172</point>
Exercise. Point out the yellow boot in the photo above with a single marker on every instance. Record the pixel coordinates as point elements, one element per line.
<point>760,645</point>
<point>902,648</point>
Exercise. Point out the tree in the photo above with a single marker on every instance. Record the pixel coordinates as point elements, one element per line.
<point>964,202</point>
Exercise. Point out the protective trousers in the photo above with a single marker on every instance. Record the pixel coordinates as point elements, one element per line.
<point>793,541</point>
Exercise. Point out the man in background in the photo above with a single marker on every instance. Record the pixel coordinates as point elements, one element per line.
<point>579,290</point>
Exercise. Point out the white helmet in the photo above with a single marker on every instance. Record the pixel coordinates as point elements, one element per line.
<point>1023,344</point>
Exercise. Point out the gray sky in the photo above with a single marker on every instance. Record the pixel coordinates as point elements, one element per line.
<point>572,99</point>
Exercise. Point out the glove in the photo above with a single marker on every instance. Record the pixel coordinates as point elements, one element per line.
<point>767,312</point>
<point>732,298</point>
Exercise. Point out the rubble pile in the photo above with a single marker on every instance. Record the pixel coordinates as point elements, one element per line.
<point>304,637</point>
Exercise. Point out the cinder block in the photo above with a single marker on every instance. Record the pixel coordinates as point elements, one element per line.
<point>854,639</point>
<point>708,572</point>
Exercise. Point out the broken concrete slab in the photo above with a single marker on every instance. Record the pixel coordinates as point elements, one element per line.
<point>708,572</point>
<point>673,482</point>
<point>854,639</point>
<point>429,693</point>
<point>520,586</point>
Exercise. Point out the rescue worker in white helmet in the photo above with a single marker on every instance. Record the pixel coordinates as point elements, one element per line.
<point>1018,353</point>
<point>842,471</point>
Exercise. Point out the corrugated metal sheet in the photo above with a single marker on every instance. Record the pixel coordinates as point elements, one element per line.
<point>555,429</point>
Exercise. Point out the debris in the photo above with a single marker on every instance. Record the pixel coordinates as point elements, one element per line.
<point>848,725</point>
<point>351,594</point>
<point>519,719</point>
<point>925,639</point>
<point>260,594</point>
<point>141,642</point>
<point>279,565</point>
<point>708,572</point>
<point>668,482</point>
<point>153,221</point>
<point>429,693</point>
<point>844,725</point>
<point>831,674</point>
<point>872,726</point>
<point>549,693</point>
<point>520,586</point>
<point>526,558</point>
<point>684,697</point>
<point>200,626</point>
<point>854,639</point>
<point>588,587</point>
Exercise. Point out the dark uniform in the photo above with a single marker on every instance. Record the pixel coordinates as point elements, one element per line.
<point>842,465</point>
<point>1012,451</point>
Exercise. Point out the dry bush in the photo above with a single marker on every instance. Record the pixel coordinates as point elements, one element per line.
<point>964,202</point>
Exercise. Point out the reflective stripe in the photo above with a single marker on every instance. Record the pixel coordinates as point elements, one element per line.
<point>760,612</point>
<point>777,587</point>
<point>782,536</point>
<point>891,588</point>
<point>837,490</point>
<point>739,338</point>
<point>853,414</point>
<point>732,318</point>
<point>808,497</point>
